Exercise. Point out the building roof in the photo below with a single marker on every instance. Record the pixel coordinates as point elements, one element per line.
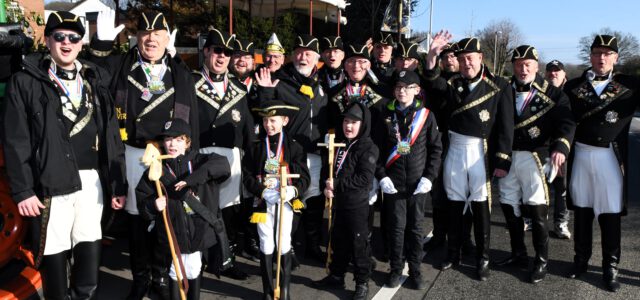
<point>62,6</point>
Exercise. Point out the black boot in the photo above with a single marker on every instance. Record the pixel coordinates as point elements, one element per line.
<point>468,247</point>
<point>194,288</point>
<point>583,236</point>
<point>610,230</point>
<point>285,277</point>
<point>54,276</point>
<point>266,271</point>
<point>140,256</point>
<point>482,233</point>
<point>84,271</point>
<point>515,225</point>
<point>234,271</point>
<point>362,291</point>
<point>540,232</point>
<point>454,235</point>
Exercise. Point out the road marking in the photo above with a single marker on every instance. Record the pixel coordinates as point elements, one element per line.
<point>385,292</point>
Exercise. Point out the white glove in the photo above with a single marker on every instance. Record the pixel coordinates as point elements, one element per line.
<point>272,196</point>
<point>171,47</point>
<point>290,193</point>
<point>373,193</point>
<point>424,186</point>
<point>106,31</point>
<point>326,138</point>
<point>550,171</point>
<point>386,185</point>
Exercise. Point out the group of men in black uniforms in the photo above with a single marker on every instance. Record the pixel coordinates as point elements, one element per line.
<point>408,131</point>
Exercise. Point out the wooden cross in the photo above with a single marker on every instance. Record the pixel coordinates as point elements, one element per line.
<point>331,146</point>
<point>284,177</point>
<point>153,159</point>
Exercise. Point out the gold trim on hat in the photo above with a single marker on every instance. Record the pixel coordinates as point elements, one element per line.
<point>225,42</point>
<point>602,43</point>
<point>301,44</point>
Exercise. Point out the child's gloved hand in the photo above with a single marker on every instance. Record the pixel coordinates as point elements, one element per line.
<point>387,187</point>
<point>424,186</point>
<point>271,196</point>
<point>290,193</point>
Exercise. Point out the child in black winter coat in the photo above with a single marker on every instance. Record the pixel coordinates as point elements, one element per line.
<point>355,166</point>
<point>191,182</point>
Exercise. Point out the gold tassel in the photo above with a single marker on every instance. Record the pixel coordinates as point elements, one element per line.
<point>297,205</point>
<point>258,218</point>
<point>123,134</point>
<point>306,90</point>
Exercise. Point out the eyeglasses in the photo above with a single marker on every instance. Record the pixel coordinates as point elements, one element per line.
<point>405,87</point>
<point>600,53</point>
<point>357,61</point>
<point>73,38</point>
<point>221,50</point>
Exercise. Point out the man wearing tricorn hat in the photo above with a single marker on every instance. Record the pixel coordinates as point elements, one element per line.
<point>298,86</point>
<point>382,60</point>
<point>332,72</point>
<point>603,104</point>
<point>226,127</point>
<point>149,88</point>
<point>479,106</point>
<point>544,129</point>
<point>64,157</point>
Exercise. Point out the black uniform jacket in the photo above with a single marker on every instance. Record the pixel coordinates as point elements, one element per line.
<point>192,231</point>
<point>339,100</point>
<point>292,154</point>
<point>329,78</point>
<point>604,119</point>
<point>546,123</point>
<point>38,151</point>
<point>425,157</point>
<point>486,112</point>
<point>354,179</point>
<point>310,123</point>
<point>144,120</point>
<point>224,122</point>
<point>384,73</point>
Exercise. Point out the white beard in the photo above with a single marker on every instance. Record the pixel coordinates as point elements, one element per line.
<point>304,70</point>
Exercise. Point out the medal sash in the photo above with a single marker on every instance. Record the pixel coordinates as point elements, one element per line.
<point>155,86</point>
<point>419,119</point>
<point>225,83</point>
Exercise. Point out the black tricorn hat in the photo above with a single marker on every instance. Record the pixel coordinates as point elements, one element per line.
<point>215,37</point>
<point>524,52</point>
<point>450,47</point>
<point>385,38</point>
<point>605,40</point>
<point>331,42</point>
<point>407,49</point>
<point>152,20</point>
<point>272,108</point>
<point>355,49</point>
<point>307,41</point>
<point>242,46</point>
<point>176,127</point>
<point>63,20</point>
<point>467,45</point>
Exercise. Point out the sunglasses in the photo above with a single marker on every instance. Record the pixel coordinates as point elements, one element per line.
<point>73,38</point>
<point>221,50</point>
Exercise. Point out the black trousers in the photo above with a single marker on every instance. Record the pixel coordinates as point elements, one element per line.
<point>405,225</point>
<point>349,241</point>
<point>146,256</point>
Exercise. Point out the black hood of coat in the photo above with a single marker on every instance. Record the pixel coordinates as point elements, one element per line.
<point>365,126</point>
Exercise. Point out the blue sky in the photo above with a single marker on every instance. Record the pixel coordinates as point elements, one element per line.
<point>553,27</point>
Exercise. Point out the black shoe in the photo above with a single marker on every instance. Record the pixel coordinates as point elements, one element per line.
<point>249,256</point>
<point>362,291</point>
<point>235,273</point>
<point>482,270</point>
<point>577,270</point>
<point>331,281</point>
<point>539,272</point>
<point>393,280</point>
<point>295,264</point>
<point>610,277</point>
<point>450,262</point>
<point>160,287</point>
<point>418,282</point>
<point>521,261</point>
